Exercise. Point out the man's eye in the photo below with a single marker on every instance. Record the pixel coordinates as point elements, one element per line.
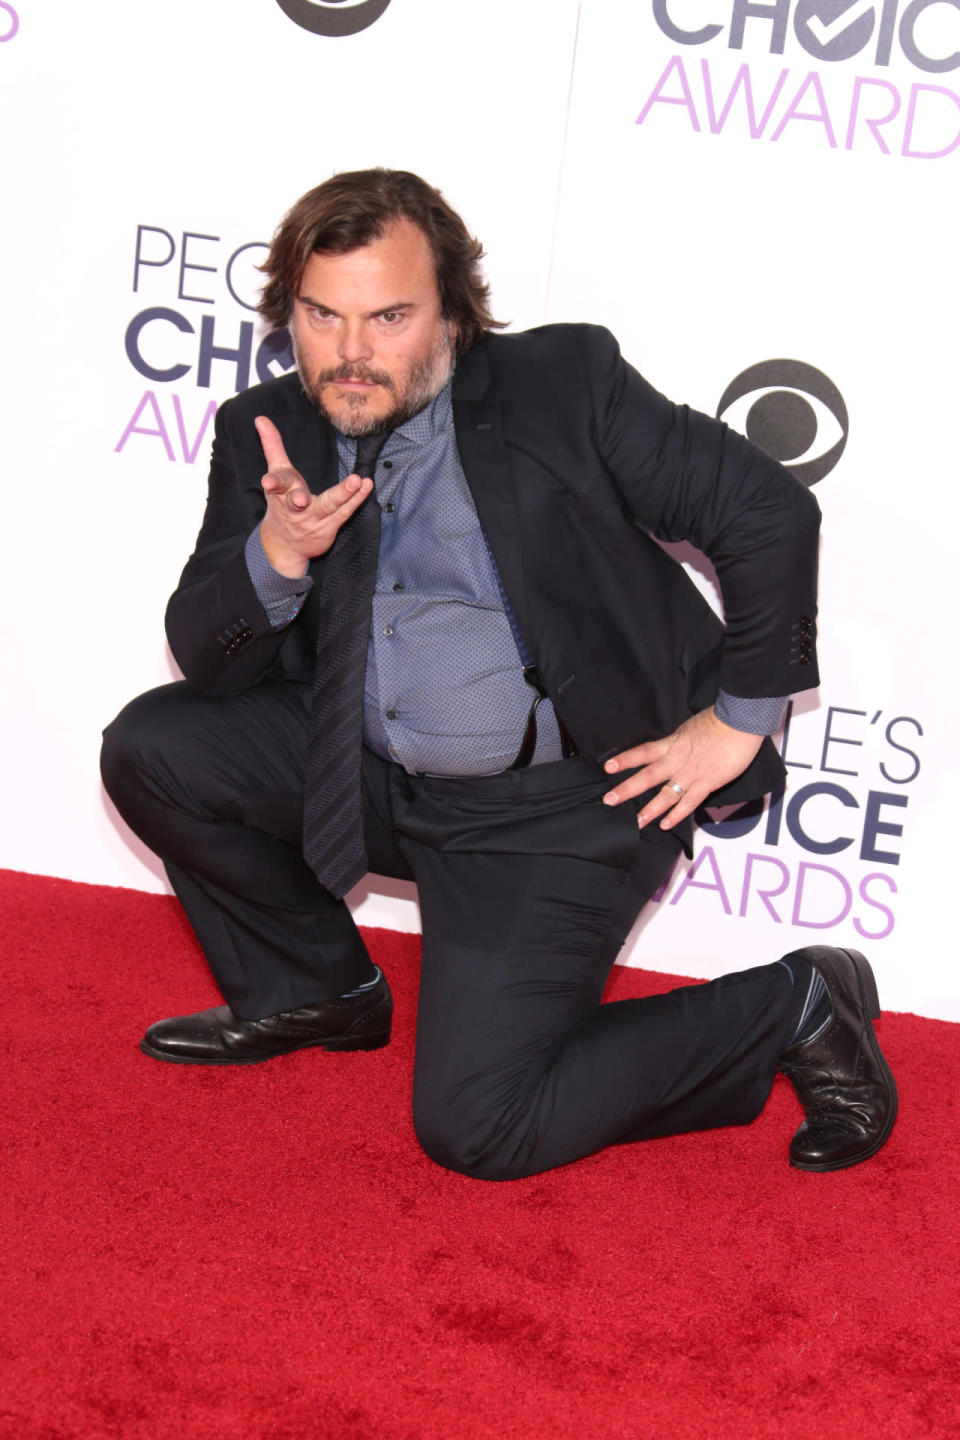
<point>390,317</point>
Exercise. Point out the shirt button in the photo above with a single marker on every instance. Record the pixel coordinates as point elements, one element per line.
<point>388,630</point>
<point>391,714</point>
<point>389,507</point>
<point>387,464</point>
<point>397,586</point>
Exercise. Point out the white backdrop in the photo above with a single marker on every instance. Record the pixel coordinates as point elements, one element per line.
<point>725,189</point>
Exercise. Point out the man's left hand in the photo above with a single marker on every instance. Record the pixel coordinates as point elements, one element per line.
<point>699,757</point>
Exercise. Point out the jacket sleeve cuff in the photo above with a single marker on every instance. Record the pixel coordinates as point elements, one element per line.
<point>280,595</point>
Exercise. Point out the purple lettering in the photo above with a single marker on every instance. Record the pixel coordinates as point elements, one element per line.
<point>742,79</point>
<point>907,147</point>
<point>821,115</point>
<point>765,895</point>
<point>889,881</point>
<point>686,99</point>
<point>873,124</point>
<point>149,399</point>
<point>14,21</point>
<point>690,882</point>
<point>803,871</point>
<point>190,451</point>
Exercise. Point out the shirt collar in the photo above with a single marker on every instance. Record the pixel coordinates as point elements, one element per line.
<point>426,425</point>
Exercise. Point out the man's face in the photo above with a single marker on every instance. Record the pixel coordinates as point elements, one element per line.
<point>371,345</point>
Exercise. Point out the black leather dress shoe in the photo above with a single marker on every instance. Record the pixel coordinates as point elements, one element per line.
<point>840,1075</point>
<point>218,1037</point>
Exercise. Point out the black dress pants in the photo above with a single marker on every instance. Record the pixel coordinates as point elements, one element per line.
<point>528,886</point>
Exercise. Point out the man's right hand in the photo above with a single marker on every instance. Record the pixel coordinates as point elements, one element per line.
<point>299,526</point>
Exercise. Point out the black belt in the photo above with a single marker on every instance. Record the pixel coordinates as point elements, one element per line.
<point>529,743</point>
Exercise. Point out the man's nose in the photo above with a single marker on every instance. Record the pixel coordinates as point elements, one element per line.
<point>354,341</point>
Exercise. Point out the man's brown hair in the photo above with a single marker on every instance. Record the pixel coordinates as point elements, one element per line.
<point>354,208</point>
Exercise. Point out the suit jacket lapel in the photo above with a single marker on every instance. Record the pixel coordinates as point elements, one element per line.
<point>488,467</point>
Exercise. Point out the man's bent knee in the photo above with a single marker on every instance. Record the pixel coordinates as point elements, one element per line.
<point>486,1152</point>
<point>132,743</point>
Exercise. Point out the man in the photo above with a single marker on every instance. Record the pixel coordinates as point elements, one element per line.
<point>449,557</point>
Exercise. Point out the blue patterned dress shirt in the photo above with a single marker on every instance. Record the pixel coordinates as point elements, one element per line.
<point>444,692</point>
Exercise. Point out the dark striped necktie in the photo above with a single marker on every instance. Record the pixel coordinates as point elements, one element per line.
<point>333,817</point>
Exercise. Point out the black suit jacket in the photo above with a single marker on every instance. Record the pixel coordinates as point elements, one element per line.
<point>574,461</point>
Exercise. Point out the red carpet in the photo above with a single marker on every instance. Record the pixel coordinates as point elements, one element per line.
<point>264,1252</point>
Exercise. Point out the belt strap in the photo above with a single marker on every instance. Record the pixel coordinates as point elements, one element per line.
<point>532,676</point>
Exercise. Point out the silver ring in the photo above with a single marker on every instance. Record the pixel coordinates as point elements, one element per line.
<point>678,789</point>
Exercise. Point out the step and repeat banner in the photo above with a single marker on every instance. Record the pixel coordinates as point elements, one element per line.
<point>757,196</point>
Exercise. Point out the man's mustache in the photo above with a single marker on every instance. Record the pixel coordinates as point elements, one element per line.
<point>356,372</point>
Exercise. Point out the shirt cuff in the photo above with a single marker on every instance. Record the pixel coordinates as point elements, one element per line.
<point>280,595</point>
<point>756,717</point>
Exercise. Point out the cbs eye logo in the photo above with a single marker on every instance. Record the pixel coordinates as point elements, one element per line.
<point>792,411</point>
<point>333,17</point>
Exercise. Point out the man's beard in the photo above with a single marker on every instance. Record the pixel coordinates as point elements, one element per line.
<point>426,379</point>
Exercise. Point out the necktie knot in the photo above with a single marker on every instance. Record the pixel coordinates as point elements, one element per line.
<point>368,451</point>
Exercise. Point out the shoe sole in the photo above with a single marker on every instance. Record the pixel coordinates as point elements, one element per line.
<point>346,1042</point>
<point>870,999</point>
